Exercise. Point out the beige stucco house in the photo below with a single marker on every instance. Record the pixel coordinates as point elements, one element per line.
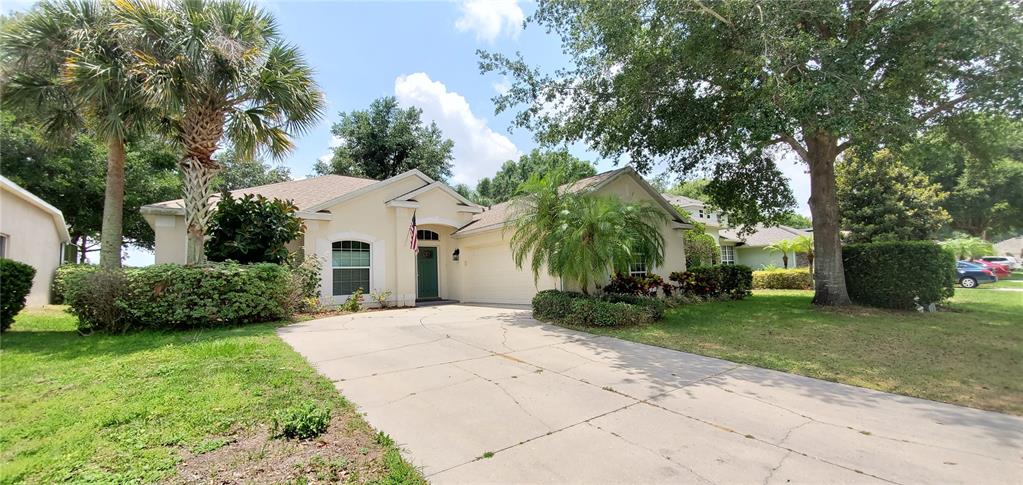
<point>32,232</point>
<point>359,229</point>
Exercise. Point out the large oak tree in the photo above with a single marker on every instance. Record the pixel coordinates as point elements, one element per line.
<point>715,84</point>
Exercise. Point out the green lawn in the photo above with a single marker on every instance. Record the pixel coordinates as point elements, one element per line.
<point>143,407</point>
<point>970,354</point>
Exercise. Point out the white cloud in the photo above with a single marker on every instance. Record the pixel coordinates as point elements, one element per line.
<point>502,86</point>
<point>488,19</point>
<point>479,151</point>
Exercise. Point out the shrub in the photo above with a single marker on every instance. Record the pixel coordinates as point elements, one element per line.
<point>783,279</point>
<point>353,303</point>
<point>252,229</point>
<point>301,422</point>
<point>606,310</point>
<point>16,281</point>
<point>898,274</point>
<point>655,307</point>
<point>380,297</point>
<point>170,296</point>
<point>63,277</point>
<point>96,298</point>
<point>648,285</point>
<point>553,304</point>
<point>304,291</point>
<point>729,281</point>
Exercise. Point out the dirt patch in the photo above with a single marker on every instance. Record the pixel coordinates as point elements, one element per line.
<point>348,452</point>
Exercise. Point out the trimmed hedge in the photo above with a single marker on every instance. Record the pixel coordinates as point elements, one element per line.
<point>605,311</point>
<point>15,283</point>
<point>63,277</point>
<point>171,296</point>
<point>726,280</point>
<point>898,274</point>
<point>783,279</point>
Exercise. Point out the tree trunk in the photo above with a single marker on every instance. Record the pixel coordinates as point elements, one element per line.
<point>82,250</point>
<point>198,188</point>
<point>785,260</point>
<point>113,207</point>
<point>828,271</point>
<point>201,130</point>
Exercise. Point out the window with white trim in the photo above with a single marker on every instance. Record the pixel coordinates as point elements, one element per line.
<point>638,267</point>
<point>350,264</point>
<point>727,254</point>
<point>3,245</point>
<point>701,213</point>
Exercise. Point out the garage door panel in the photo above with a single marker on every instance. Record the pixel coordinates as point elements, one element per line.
<point>492,277</point>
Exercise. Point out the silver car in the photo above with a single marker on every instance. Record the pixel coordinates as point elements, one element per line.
<point>1009,261</point>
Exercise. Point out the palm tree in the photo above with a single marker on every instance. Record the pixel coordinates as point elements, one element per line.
<point>219,70</point>
<point>65,64</point>
<point>804,245</point>
<point>785,247</point>
<point>582,237</point>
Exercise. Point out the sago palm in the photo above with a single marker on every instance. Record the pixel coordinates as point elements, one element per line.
<point>219,71</point>
<point>785,247</point>
<point>579,236</point>
<point>66,65</point>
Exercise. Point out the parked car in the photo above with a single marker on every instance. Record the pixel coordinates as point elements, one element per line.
<point>1009,261</point>
<point>969,275</point>
<point>1000,271</point>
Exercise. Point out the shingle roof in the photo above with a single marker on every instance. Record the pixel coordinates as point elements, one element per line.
<point>682,201</point>
<point>497,214</point>
<point>764,236</point>
<point>304,193</point>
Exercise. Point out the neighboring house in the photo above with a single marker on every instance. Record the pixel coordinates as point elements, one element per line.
<point>32,232</point>
<point>359,228</point>
<point>751,249</point>
<point>1010,247</point>
<point>713,220</point>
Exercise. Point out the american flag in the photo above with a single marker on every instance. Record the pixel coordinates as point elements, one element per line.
<point>413,242</point>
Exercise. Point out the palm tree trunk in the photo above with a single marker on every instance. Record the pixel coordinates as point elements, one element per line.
<point>113,207</point>
<point>202,128</point>
<point>198,188</point>
<point>785,260</point>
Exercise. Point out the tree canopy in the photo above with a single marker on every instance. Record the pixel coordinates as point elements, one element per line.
<point>505,184</point>
<point>721,85</point>
<point>71,177</point>
<point>386,140</point>
<point>884,200</point>
<point>240,173</point>
<point>978,160</point>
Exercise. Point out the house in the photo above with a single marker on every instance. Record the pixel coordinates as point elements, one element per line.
<point>751,249</point>
<point>32,232</point>
<point>359,228</point>
<point>1010,247</point>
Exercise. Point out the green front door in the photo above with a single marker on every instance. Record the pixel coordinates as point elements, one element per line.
<point>426,266</point>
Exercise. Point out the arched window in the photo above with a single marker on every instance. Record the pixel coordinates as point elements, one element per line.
<point>350,262</point>
<point>427,235</point>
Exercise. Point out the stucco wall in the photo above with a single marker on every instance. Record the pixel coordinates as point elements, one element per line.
<point>368,219</point>
<point>32,238</point>
<point>170,238</point>
<point>757,258</point>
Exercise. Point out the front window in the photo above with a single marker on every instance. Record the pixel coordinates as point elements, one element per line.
<point>350,262</point>
<point>3,245</point>
<point>727,254</point>
<point>427,235</point>
<point>638,267</point>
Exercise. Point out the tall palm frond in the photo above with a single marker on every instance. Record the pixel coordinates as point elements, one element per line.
<point>220,71</point>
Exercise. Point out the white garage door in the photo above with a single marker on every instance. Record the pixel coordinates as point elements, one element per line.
<point>491,277</point>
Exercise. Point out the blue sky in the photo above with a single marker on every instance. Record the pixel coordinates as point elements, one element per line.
<point>424,53</point>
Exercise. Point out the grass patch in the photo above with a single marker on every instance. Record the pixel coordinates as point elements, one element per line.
<point>970,354</point>
<point>140,407</point>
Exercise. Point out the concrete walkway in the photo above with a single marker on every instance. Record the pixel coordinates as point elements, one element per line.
<point>451,383</point>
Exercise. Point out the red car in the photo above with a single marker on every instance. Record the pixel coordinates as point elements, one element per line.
<point>1000,270</point>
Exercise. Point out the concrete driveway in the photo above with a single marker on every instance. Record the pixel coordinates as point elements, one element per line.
<point>451,383</point>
